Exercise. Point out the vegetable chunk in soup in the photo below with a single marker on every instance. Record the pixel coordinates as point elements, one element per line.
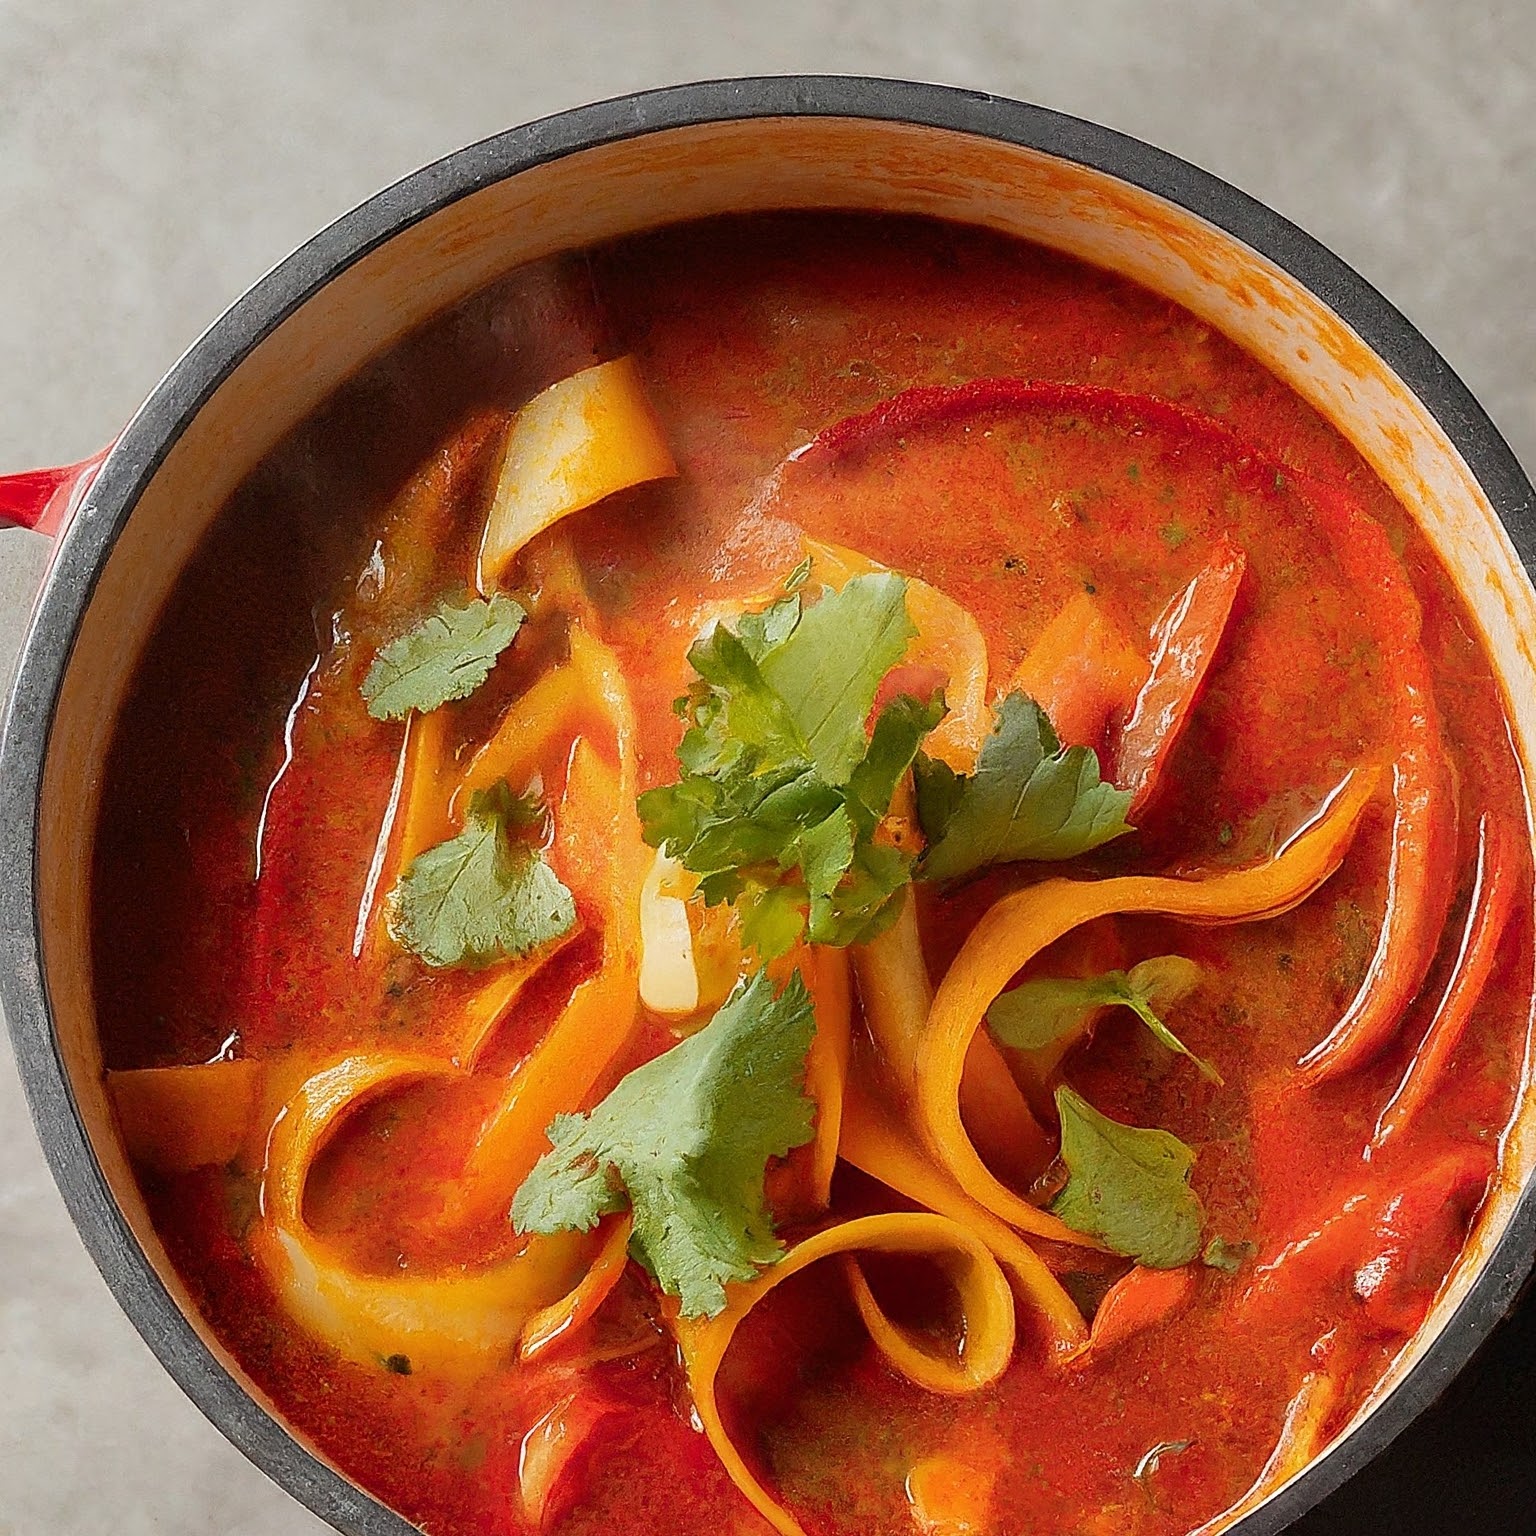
<point>814,874</point>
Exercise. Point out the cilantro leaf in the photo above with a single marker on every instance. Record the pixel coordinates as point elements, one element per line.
<point>481,895</point>
<point>447,656</point>
<point>1225,1256</point>
<point>782,790</point>
<point>829,665</point>
<point>1028,799</point>
<point>1038,1012</point>
<point>1127,1187</point>
<point>684,1142</point>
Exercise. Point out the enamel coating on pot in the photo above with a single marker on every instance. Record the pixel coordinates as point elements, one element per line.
<point>587,176</point>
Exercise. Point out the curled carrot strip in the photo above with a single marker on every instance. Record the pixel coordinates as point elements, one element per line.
<point>597,1022</point>
<point>986,1343</point>
<point>437,1320</point>
<point>826,1064</point>
<point>897,996</point>
<point>548,1326</point>
<point>1185,639</point>
<point>877,1142</point>
<point>1137,1301</point>
<point>1019,926</point>
<point>1493,896</point>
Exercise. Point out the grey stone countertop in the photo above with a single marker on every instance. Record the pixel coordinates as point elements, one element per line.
<point>155,159</point>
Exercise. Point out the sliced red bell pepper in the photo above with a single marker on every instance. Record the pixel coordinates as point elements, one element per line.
<point>1185,640</point>
<point>1420,884</point>
<point>1493,899</point>
<point>1139,1300</point>
<point>1394,1245</point>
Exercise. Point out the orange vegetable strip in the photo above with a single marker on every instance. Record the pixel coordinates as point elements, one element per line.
<point>1081,671</point>
<point>1301,1438</point>
<point>897,995</point>
<point>415,818</point>
<point>597,1022</point>
<point>1185,639</point>
<point>175,1119</point>
<point>826,1063</point>
<point>549,709</point>
<point>568,1316</point>
<point>986,1305</point>
<point>911,1355</point>
<point>877,1142</point>
<point>581,440</point>
<point>1020,925</point>
<point>1493,896</point>
<point>1420,886</point>
<point>1137,1301</point>
<point>364,932</point>
<point>948,638</point>
<point>448,1320</point>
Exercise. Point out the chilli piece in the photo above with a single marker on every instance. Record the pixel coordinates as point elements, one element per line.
<point>1141,1299</point>
<point>1185,639</point>
<point>1493,896</point>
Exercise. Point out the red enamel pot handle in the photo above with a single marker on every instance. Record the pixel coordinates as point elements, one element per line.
<point>45,499</point>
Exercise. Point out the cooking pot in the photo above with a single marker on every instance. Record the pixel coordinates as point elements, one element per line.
<point>127,520</point>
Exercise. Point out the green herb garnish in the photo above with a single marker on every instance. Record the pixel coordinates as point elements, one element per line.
<point>782,788</point>
<point>446,656</point>
<point>484,894</point>
<point>1126,1186</point>
<point>1043,1010</point>
<point>1225,1256</point>
<point>683,1142</point>
<point>1029,798</point>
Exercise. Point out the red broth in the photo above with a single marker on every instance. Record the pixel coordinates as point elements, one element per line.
<point>247,783</point>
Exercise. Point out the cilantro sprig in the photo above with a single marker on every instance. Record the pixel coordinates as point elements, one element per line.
<point>783,788</point>
<point>683,1142</point>
<point>1044,1009</point>
<point>1127,1186</point>
<point>446,656</point>
<point>1029,798</point>
<point>485,894</point>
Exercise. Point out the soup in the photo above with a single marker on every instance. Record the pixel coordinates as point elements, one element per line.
<point>821,874</point>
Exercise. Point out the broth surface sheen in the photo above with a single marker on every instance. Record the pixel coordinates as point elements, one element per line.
<point>238,854</point>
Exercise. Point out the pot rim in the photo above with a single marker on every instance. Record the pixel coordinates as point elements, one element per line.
<point>88,541</point>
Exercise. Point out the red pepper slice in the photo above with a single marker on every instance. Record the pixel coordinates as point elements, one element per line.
<point>1493,899</point>
<point>1140,1299</point>
<point>1185,639</point>
<point>1392,1247</point>
<point>1420,880</point>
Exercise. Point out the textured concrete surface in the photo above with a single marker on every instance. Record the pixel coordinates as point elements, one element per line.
<point>156,158</point>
